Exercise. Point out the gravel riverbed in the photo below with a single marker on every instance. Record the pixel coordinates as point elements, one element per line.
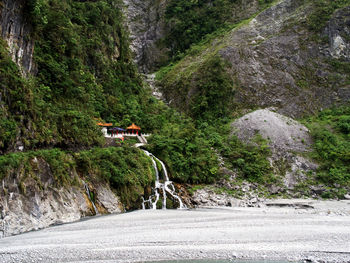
<point>318,232</point>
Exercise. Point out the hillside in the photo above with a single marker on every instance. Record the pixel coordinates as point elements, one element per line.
<point>293,56</point>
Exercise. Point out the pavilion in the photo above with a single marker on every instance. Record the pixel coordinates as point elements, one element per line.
<point>117,130</point>
<point>133,129</point>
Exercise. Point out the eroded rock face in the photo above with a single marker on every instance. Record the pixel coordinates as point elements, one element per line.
<point>34,202</point>
<point>108,200</point>
<point>40,209</point>
<point>338,32</point>
<point>145,20</point>
<point>273,61</point>
<point>15,30</point>
<point>277,64</point>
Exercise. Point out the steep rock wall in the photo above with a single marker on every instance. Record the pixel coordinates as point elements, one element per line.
<point>145,20</point>
<point>278,64</point>
<point>16,31</point>
<point>34,201</point>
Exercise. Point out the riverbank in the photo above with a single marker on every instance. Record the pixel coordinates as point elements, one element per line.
<point>318,234</point>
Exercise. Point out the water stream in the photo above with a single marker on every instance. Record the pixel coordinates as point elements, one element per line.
<point>166,187</point>
<point>88,193</point>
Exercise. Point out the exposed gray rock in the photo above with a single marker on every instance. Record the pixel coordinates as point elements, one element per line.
<point>338,31</point>
<point>145,20</point>
<point>283,133</point>
<point>34,202</point>
<point>286,138</point>
<point>150,79</point>
<point>109,200</point>
<point>41,209</point>
<point>299,167</point>
<point>16,31</point>
<point>273,61</point>
<point>208,197</point>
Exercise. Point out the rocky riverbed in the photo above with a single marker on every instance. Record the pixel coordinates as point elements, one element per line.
<point>306,231</point>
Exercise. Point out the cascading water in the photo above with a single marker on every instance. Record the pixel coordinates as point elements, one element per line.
<point>167,187</point>
<point>88,193</point>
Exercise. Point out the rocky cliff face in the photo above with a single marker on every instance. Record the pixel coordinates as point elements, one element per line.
<point>274,60</point>
<point>145,20</point>
<point>31,202</point>
<point>15,30</point>
<point>277,63</point>
<point>337,32</point>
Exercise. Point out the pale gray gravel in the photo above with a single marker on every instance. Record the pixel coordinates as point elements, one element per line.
<point>248,233</point>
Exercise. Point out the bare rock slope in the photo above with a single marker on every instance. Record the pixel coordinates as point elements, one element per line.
<point>287,139</point>
<point>273,61</point>
<point>145,20</point>
<point>283,133</point>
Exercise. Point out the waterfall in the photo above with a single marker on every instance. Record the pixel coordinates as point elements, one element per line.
<point>166,187</point>
<point>88,193</point>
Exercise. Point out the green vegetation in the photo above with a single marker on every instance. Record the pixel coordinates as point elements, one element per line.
<point>331,132</point>
<point>12,98</point>
<point>249,160</point>
<point>26,165</point>
<point>191,21</point>
<point>323,11</point>
<point>85,71</point>
<point>127,169</point>
<point>208,93</point>
<point>190,155</point>
<point>187,153</point>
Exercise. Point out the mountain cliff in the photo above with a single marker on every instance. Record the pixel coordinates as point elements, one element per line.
<point>283,57</point>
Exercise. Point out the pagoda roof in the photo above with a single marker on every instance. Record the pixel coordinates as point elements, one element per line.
<point>133,127</point>
<point>104,124</point>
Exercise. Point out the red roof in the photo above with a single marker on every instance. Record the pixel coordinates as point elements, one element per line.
<point>133,127</point>
<point>105,124</point>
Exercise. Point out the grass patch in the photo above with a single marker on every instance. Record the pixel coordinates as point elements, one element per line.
<point>331,132</point>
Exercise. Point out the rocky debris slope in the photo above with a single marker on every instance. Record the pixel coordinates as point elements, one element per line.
<point>145,20</point>
<point>15,30</point>
<point>208,197</point>
<point>34,202</point>
<point>287,139</point>
<point>282,133</point>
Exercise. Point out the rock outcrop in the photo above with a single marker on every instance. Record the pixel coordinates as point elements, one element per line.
<point>146,23</point>
<point>337,32</point>
<point>277,63</point>
<point>32,202</point>
<point>16,31</point>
